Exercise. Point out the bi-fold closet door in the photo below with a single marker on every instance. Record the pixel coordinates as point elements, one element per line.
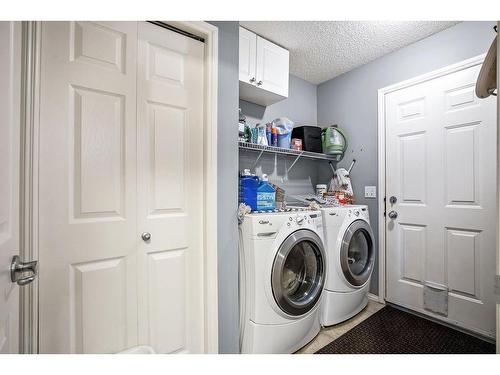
<point>121,154</point>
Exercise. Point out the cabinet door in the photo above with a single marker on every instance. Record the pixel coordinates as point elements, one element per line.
<point>248,44</point>
<point>272,67</point>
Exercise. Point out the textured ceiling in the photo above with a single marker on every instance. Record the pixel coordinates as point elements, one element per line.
<point>321,50</point>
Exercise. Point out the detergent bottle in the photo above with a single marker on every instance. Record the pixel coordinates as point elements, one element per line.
<point>266,195</point>
<point>248,189</point>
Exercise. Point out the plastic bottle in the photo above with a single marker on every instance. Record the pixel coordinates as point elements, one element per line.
<point>274,137</point>
<point>266,195</point>
<point>248,189</point>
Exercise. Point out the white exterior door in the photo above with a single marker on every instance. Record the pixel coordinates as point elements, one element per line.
<point>170,190</point>
<point>121,153</point>
<point>441,168</point>
<point>10,81</point>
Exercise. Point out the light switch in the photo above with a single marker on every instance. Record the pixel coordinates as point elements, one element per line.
<point>370,192</point>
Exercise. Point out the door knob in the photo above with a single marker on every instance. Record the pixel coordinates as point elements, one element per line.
<point>22,273</point>
<point>146,236</point>
<point>393,199</point>
<point>393,214</point>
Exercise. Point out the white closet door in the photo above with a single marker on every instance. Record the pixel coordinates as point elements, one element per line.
<point>10,82</point>
<point>88,209</point>
<point>441,167</point>
<point>170,186</point>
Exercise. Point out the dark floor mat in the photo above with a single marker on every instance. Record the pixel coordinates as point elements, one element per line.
<point>392,331</point>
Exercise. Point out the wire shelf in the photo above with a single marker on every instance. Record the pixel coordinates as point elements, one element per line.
<point>288,152</point>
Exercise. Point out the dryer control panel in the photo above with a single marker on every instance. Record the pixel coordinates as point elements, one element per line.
<point>269,224</point>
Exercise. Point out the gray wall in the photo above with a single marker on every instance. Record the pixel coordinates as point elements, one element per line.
<point>227,189</point>
<point>350,100</point>
<point>301,108</point>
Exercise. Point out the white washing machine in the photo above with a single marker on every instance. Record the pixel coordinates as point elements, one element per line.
<point>350,248</point>
<point>282,274</point>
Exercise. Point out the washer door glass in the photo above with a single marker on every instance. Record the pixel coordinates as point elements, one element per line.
<point>298,273</point>
<point>357,253</point>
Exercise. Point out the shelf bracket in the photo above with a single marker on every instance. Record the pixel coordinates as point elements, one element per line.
<point>295,161</point>
<point>257,160</point>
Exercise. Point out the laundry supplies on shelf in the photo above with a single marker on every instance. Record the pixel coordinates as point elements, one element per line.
<point>334,140</point>
<point>248,189</point>
<point>310,136</point>
<point>266,195</point>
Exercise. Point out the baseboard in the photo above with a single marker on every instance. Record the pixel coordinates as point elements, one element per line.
<point>374,297</point>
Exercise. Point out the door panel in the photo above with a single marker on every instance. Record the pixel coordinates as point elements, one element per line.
<point>88,206</point>
<point>170,190</point>
<point>247,55</point>
<point>272,67</point>
<point>10,83</point>
<point>441,139</point>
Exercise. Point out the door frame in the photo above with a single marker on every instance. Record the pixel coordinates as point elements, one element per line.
<point>30,110</point>
<point>497,277</point>
<point>382,154</point>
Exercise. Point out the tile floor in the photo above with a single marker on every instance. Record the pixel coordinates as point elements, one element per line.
<point>327,335</point>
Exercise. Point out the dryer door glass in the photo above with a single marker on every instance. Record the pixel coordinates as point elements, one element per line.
<point>357,253</point>
<point>298,273</point>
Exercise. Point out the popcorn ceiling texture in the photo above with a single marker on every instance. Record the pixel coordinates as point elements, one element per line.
<point>322,50</point>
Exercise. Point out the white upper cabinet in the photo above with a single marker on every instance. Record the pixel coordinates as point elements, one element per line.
<point>263,69</point>
<point>272,67</point>
<point>248,48</point>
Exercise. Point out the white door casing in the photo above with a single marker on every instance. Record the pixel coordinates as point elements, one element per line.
<point>498,199</point>
<point>440,165</point>
<point>10,88</point>
<point>170,190</point>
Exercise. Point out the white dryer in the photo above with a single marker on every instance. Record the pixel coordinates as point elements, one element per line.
<point>350,248</point>
<point>282,274</point>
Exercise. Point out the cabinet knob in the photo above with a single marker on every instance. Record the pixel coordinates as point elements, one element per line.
<point>252,80</point>
<point>259,83</point>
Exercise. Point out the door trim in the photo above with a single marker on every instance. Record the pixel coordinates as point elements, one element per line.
<point>498,191</point>
<point>382,152</point>
<point>30,84</point>
<point>31,40</point>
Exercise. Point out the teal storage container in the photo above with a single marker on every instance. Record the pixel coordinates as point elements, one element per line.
<point>266,195</point>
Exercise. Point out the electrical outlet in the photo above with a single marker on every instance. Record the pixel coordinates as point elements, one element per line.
<point>370,192</point>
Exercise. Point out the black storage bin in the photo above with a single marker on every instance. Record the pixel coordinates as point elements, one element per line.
<point>311,137</point>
